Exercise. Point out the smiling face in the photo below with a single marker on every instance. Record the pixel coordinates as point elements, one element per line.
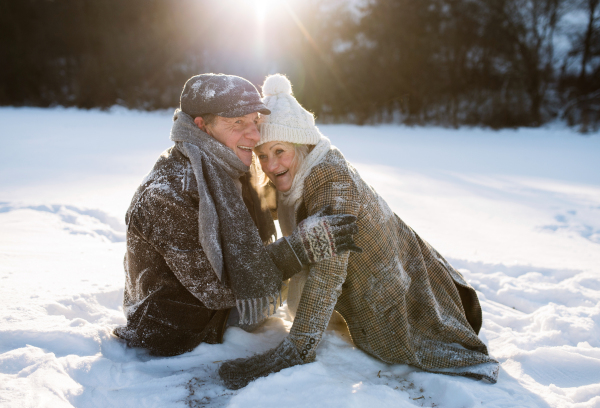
<point>239,134</point>
<point>277,162</point>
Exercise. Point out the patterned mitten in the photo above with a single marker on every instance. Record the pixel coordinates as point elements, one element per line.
<point>238,373</point>
<point>323,235</point>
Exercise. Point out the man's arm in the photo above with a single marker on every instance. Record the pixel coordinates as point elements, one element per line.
<point>169,224</point>
<point>284,258</point>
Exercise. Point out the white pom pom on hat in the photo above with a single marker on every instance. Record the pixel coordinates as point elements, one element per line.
<point>276,84</point>
<point>288,121</point>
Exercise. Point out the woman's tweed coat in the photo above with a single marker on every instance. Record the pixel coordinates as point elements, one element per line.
<point>402,301</point>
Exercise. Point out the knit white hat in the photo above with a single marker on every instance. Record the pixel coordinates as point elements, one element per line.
<point>288,121</point>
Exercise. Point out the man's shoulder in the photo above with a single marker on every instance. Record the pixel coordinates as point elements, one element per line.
<point>167,179</point>
<point>171,160</point>
<point>169,168</point>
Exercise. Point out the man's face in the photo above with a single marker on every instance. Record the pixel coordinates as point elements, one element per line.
<point>239,134</point>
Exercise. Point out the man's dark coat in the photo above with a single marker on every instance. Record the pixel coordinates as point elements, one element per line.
<point>173,300</point>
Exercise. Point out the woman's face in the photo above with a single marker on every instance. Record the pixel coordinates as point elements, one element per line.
<point>277,161</point>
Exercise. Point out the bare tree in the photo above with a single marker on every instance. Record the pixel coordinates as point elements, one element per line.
<point>590,41</point>
<point>580,78</point>
<point>531,27</point>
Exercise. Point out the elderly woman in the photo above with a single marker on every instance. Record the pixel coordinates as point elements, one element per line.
<point>402,301</point>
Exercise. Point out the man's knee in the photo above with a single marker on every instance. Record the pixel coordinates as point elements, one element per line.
<point>167,328</point>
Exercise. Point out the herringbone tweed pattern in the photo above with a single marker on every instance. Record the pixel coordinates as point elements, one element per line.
<point>400,298</point>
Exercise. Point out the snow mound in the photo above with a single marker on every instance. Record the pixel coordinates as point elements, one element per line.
<point>77,220</point>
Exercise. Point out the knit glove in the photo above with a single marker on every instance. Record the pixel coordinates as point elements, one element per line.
<point>238,373</point>
<point>324,235</point>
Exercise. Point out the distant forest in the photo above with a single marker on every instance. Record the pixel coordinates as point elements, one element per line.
<point>495,63</point>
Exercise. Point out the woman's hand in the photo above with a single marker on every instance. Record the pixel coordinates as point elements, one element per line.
<point>324,235</point>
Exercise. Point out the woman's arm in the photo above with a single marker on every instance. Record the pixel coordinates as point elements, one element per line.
<point>326,185</point>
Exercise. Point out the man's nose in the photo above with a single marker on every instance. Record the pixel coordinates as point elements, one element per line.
<point>252,133</point>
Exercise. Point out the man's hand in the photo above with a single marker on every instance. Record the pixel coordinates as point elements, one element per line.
<point>323,235</point>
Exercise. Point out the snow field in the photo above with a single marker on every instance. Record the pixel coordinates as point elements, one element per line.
<point>518,212</point>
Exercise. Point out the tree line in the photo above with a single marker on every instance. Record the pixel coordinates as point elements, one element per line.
<point>496,63</point>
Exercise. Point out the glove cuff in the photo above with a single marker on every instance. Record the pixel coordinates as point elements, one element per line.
<point>295,242</point>
<point>284,257</point>
<point>316,239</point>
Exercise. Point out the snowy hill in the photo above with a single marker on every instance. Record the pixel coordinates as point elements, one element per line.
<point>517,211</point>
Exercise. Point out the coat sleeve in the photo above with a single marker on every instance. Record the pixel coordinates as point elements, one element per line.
<point>324,186</point>
<point>169,223</point>
<point>284,257</point>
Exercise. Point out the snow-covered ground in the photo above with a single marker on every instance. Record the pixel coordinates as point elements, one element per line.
<point>517,211</point>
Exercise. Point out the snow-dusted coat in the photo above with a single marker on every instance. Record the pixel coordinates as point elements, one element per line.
<point>173,300</point>
<point>402,301</point>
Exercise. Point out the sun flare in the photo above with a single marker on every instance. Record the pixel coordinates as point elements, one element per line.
<point>264,7</point>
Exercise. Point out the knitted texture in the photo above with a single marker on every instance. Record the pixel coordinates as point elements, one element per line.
<point>238,373</point>
<point>317,240</point>
<point>228,235</point>
<point>323,236</point>
<point>288,121</point>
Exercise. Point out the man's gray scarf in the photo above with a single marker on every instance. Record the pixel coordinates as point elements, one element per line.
<point>227,233</point>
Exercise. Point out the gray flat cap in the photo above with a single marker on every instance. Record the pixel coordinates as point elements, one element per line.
<point>229,96</point>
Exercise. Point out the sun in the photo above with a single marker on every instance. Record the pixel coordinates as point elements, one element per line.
<point>265,7</point>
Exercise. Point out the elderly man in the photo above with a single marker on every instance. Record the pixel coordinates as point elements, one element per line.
<point>199,239</point>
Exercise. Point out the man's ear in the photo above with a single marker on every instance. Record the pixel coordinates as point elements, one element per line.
<point>200,123</point>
